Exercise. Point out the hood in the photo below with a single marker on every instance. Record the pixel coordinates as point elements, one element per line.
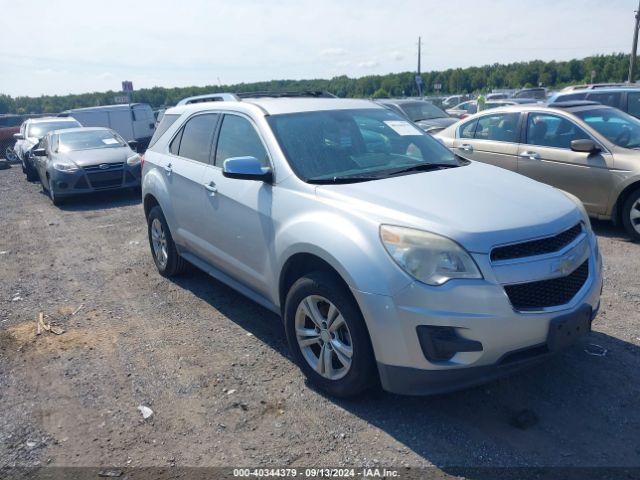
<point>439,123</point>
<point>97,156</point>
<point>477,205</point>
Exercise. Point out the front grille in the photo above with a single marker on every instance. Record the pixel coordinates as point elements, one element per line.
<point>537,247</point>
<point>548,293</point>
<point>104,167</point>
<point>107,175</point>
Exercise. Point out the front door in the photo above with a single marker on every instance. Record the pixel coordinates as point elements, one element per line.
<point>239,229</point>
<point>545,155</point>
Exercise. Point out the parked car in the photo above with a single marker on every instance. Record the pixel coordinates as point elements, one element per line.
<point>469,108</point>
<point>626,98</point>
<point>84,160</point>
<point>453,100</point>
<point>387,256</point>
<point>31,132</point>
<point>9,125</point>
<point>424,114</point>
<point>539,93</point>
<point>134,121</point>
<point>595,86</point>
<point>583,148</point>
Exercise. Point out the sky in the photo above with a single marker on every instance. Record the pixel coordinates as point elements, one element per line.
<point>76,46</point>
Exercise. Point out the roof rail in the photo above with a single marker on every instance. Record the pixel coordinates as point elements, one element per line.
<point>595,86</point>
<point>304,93</point>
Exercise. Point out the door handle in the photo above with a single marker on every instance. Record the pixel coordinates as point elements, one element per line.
<point>531,155</point>
<point>211,187</point>
<point>168,169</point>
<point>465,147</point>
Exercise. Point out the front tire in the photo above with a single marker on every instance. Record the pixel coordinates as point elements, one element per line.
<point>30,171</point>
<point>631,215</point>
<point>328,337</point>
<point>163,249</point>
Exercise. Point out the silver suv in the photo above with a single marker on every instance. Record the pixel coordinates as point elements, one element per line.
<point>389,259</point>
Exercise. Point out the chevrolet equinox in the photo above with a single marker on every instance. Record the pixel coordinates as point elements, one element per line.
<point>390,259</point>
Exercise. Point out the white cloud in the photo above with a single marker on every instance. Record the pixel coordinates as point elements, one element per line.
<point>333,52</point>
<point>369,64</point>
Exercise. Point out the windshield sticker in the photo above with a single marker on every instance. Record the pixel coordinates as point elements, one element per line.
<point>402,128</point>
<point>109,141</point>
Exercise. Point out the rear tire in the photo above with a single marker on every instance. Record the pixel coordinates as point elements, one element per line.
<point>163,249</point>
<point>631,215</point>
<point>320,347</point>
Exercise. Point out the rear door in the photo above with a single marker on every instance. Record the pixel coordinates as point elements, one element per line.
<point>143,121</point>
<point>239,229</point>
<point>189,154</point>
<point>491,138</point>
<point>545,155</point>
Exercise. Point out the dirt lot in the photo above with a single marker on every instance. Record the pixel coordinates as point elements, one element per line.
<point>214,367</point>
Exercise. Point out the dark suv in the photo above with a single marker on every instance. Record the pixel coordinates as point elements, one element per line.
<point>626,99</point>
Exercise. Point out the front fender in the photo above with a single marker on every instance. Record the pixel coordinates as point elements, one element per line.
<point>354,251</point>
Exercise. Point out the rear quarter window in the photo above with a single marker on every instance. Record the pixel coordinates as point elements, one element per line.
<point>165,124</point>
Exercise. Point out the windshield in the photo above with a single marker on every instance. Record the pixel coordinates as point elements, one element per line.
<point>616,126</point>
<point>359,145</point>
<point>86,140</point>
<point>421,111</point>
<point>39,130</point>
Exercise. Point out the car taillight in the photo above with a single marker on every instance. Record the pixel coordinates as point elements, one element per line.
<point>141,162</point>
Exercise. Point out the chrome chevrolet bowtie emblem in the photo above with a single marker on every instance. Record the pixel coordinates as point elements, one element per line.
<point>103,166</point>
<point>566,265</point>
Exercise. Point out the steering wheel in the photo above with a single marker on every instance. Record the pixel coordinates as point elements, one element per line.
<point>624,137</point>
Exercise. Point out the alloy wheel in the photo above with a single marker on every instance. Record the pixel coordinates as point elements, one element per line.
<point>323,337</point>
<point>10,155</point>
<point>634,215</point>
<point>159,242</point>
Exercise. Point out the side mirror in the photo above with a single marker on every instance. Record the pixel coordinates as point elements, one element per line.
<point>584,146</point>
<point>246,168</point>
<point>40,152</point>
<point>133,144</point>
<point>18,136</point>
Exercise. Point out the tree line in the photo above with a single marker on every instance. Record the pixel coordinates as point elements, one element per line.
<point>553,74</point>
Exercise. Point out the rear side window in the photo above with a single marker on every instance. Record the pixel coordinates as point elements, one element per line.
<point>238,138</point>
<point>501,127</point>
<point>606,98</point>
<point>165,123</point>
<point>552,131</point>
<point>571,97</point>
<point>633,104</point>
<point>196,138</point>
<point>467,130</point>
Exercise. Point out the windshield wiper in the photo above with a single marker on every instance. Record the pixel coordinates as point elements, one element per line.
<point>339,180</point>
<point>423,167</point>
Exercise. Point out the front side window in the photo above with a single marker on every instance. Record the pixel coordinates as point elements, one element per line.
<point>552,131</point>
<point>88,140</point>
<point>196,138</point>
<point>356,145</point>
<point>238,138</point>
<point>616,126</point>
<point>39,130</point>
<point>501,127</point>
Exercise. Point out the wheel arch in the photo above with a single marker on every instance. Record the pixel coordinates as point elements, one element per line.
<point>616,214</point>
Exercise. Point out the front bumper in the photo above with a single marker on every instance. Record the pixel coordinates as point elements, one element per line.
<point>478,311</point>
<point>87,181</point>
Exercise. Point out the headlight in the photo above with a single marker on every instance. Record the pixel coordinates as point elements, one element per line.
<point>133,160</point>
<point>65,167</point>
<point>427,257</point>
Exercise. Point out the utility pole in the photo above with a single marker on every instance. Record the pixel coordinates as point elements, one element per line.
<point>634,49</point>
<point>418,76</point>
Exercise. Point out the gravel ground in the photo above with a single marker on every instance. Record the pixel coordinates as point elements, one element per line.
<point>215,370</point>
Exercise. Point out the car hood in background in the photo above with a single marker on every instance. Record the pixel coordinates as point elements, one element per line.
<point>97,156</point>
<point>436,123</point>
<point>477,205</point>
